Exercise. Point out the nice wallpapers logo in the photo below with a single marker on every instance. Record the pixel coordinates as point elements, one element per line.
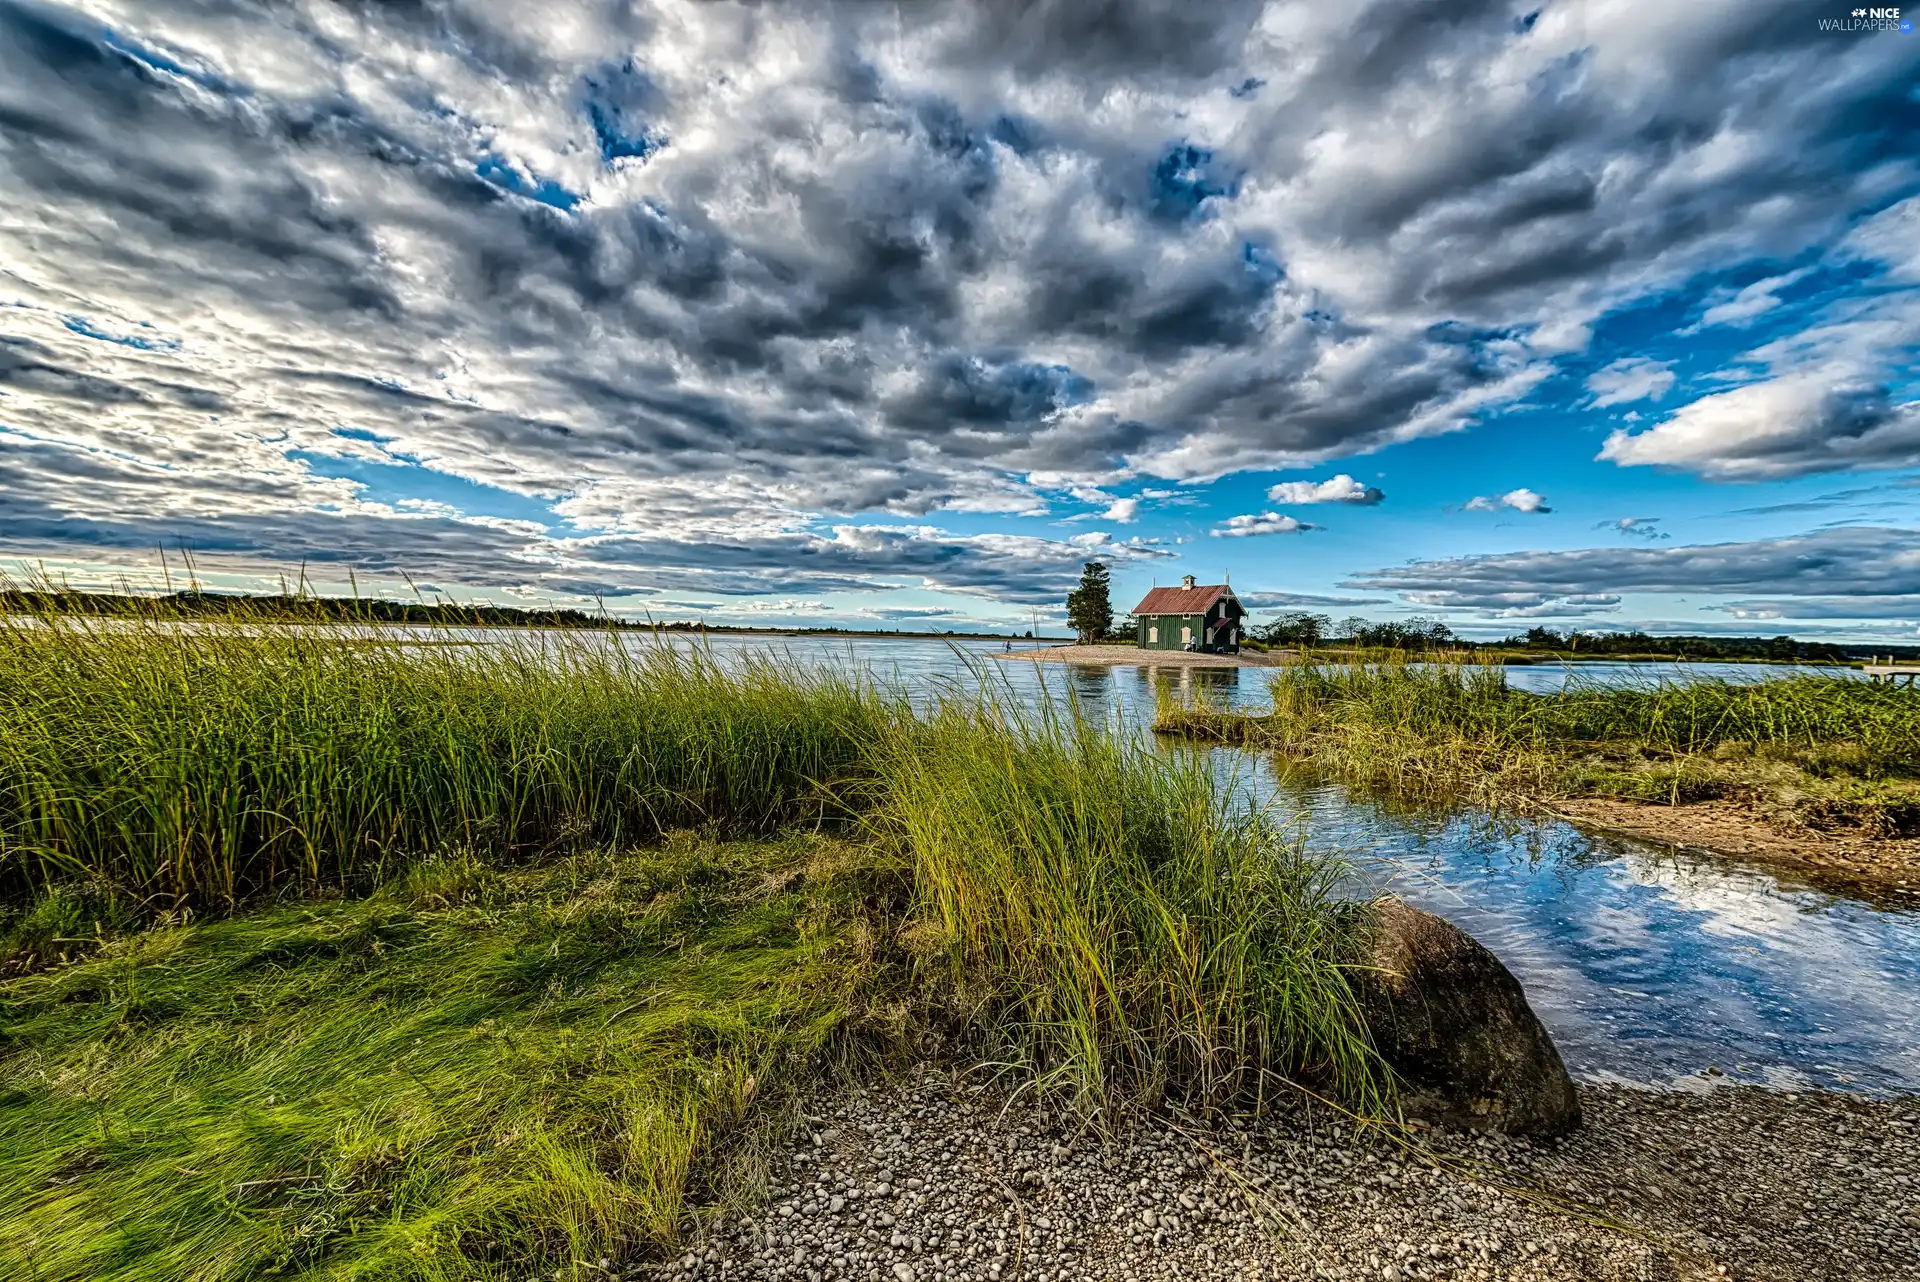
<point>1863,21</point>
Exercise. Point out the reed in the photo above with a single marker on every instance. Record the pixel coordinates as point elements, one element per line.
<point>1831,751</point>
<point>194,763</point>
<point>1117,920</point>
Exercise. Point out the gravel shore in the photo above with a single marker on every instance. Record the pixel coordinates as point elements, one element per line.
<point>936,1181</point>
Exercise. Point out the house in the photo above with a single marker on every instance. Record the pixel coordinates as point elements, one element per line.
<point>1204,617</point>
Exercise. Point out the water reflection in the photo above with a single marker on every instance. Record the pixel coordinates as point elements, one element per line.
<point>1647,965</point>
<point>1652,965</point>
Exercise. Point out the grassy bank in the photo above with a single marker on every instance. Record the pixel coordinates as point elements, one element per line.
<point>473,1072</point>
<point>351,960</point>
<point>1820,752</point>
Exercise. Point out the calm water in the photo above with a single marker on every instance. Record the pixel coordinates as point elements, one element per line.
<point>1648,966</point>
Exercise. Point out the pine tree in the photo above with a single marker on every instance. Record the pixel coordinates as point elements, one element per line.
<point>1089,609</point>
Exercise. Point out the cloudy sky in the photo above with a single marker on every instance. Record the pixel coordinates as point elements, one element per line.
<point>1600,314</point>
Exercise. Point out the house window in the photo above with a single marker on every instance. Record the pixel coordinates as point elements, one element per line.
<point>1186,635</point>
<point>1153,634</point>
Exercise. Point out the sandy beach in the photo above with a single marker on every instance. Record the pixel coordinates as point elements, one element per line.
<point>1113,655</point>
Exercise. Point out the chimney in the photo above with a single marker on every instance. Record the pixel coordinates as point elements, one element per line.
<point>1187,582</point>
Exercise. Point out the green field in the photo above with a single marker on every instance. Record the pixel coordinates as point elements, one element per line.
<point>334,959</point>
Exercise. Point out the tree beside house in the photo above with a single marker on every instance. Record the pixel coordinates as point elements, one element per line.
<point>1090,606</point>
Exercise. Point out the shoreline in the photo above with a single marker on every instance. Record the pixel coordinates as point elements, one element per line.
<point>1727,830</point>
<point>938,1177</point>
<point>1134,656</point>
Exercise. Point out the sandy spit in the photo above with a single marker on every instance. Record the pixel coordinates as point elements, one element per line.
<point>1112,655</point>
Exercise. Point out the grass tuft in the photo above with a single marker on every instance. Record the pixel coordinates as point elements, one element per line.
<point>1820,751</point>
<point>1130,926</point>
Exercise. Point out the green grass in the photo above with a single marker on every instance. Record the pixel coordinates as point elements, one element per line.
<point>349,960</point>
<point>1822,751</point>
<point>1128,928</point>
<point>471,1073</point>
<point>200,764</point>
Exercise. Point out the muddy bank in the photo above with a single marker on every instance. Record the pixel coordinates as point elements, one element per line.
<point>1730,829</point>
<point>939,1181</point>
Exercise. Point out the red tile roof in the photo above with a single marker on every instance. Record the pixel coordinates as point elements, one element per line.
<point>1195,600</point>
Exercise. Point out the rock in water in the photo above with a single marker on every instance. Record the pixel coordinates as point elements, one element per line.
<point>1455,1025</point>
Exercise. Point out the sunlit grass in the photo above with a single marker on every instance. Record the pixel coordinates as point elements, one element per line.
<point>202,764</point>
<point>1825,750</point>
<point>1125,925</point>
<point>469,1074</point>
<point>347,959</point>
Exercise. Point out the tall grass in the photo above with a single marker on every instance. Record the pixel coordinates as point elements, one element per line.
<point>1824,750</point>
<point>201,763</point>
<point>1124,925</point>
<point>1060,899</point>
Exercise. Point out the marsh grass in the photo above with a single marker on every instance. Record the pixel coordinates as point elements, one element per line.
<point>1821,751</point>
<point>193,764</point>
<point>1121,923</point>
<point>348,959</point>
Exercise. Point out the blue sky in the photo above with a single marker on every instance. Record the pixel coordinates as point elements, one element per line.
<point>1596,316</point>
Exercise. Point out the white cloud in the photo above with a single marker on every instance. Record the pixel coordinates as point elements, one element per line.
<point>1122,511</point>
<point>896,260</point>
<point>1818,420</point>
<point>1634,378</point>
<point>1520,500</point>
<point>1336,489</point>
<point>1828,400</point>
<point>1240,527</point>
<point>1750,303</point>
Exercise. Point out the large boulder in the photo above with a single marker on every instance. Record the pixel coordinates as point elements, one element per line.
<point>1454,1024</point>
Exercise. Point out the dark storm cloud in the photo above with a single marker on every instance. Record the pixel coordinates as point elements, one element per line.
<point>735,273</point>
<point>1825,564</point>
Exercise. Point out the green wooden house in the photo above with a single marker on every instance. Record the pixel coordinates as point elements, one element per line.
<point>1204,618</point>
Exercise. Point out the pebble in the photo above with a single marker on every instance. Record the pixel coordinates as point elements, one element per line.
<point>1734,1183</point>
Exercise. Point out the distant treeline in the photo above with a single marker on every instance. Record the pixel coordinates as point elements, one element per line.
<point>303,608</point>
<point>1682,647</point>
<point>1300,628</point>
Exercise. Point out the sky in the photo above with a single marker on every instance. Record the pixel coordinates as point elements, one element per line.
<point>1586,315</point>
